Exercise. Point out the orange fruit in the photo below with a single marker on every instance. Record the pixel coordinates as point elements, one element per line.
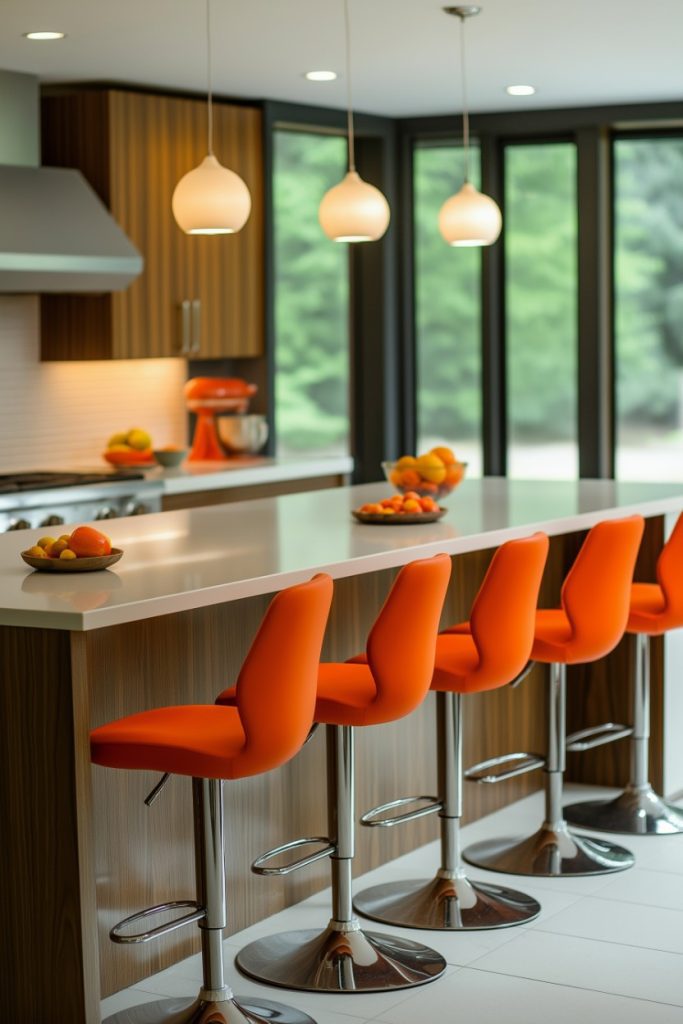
<point>431,468</point>
<point>445,454</point>
<point>454,474</point>
<point>428,505</point>
<point>388,511</point>
<point>36,552</point>
<point>411,494</point>
<point>429,488</point>
<point>55,549</point>
<point>411,505</point>
<point>87,542</point>
<point>45,542</point>
<point>406,462</point>
<point>67,554</point>
<point>395,477</point>
<point>410,478</point>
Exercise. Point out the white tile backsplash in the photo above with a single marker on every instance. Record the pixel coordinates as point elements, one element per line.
<point>60,415</point>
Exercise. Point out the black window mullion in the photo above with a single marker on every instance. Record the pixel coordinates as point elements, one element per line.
<point>493,362</point>
<point>596,415</point>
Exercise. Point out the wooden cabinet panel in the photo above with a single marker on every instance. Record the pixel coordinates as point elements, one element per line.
<point>133,148</point>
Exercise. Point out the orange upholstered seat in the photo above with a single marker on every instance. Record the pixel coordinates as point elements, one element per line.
<point>595,597</point>
<point>658,607</point>
<point>273,712</point>
<point>494,646</point>
<point>393,676</point>
<point>399,657</point>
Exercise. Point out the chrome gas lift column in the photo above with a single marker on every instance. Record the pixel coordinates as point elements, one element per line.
<point>638,810</point>
<point>343,957</point>
<point>553,850</point>
<point>215,1003</point>
<point>450,901</point>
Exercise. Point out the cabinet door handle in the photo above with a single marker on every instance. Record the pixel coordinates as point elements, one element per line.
<point>185,326</point>
<point>196,326</point>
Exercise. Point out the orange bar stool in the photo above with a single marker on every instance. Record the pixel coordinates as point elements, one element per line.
<point>395,680</point>
<point>588,625</point>
<point>273,712</point>
<point>489,651</point>
<point>655,609</point>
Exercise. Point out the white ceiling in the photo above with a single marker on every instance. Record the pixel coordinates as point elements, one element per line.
<point>405,56</point>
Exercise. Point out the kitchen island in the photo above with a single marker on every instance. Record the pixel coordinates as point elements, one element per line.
<point>170,625</point>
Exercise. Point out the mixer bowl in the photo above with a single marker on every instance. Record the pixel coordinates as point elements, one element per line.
<point>242,435</point>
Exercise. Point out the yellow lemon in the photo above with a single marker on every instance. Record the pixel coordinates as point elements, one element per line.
<point>139,439</point>
<point>431,467</point>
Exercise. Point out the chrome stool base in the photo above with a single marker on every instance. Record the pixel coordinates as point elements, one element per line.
<point>637,811</point>
<point>340,959</point>
<point>551,852</point>
<point>447,904</point>
<point>200,1011</point>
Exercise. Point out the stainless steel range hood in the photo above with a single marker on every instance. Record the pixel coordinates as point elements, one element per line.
<point>55,233</point>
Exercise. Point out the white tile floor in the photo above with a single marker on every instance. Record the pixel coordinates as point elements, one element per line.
<point>604,949</point>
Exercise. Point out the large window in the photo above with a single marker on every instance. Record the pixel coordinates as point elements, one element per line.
<point>541,310</point>
<point>311,299</point>
<point>648,182</point>
<point>447,315</point>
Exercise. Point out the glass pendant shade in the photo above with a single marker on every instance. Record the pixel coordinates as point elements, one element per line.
<point>211,200</point>
<point>354,211</point>
<point>470,218</point>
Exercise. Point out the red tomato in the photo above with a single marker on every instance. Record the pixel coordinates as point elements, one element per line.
<point>88,543</point>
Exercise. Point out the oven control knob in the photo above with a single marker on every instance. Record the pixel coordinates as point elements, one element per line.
<point>53,521</point>
<point>107,512</point>
<point>19,524</point>
<point>138,509</point>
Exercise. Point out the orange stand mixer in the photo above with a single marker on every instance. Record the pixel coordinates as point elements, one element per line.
<point>206,397</point>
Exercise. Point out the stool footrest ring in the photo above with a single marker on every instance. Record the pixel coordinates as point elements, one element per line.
<point>372,819</point>
<point>197,912</point>
<point>496,769</point>
<point>327,850</point>
<point>596,736</point>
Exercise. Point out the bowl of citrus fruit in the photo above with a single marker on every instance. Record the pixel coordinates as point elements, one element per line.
<point>401,509</point>
<point>85,549</point>
<point>432,475</point>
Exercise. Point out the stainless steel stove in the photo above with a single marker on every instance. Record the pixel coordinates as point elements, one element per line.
<point>50,499</point>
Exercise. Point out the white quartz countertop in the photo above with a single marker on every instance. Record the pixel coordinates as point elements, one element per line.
<point>248,470</point>
<point>176,561</point>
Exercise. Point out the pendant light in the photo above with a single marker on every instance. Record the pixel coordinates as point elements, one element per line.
<point>468,218</point>
<point>354,210</point>
<point>211,199</point>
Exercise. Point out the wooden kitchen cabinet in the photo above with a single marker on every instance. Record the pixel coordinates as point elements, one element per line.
<point>199,297</point>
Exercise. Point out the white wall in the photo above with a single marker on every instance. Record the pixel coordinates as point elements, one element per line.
<point>60,415</point>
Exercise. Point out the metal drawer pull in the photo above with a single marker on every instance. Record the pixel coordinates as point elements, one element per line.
<point>495,770</point>
<point>597,736</point>
<point>327,851</point>
<point>372,819</point>
<point>156,791</point>
<point>185,308</point>
<point>196,331</point>
<point>197,913</point>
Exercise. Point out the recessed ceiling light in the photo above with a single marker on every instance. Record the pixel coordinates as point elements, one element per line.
<point>321,76</point>
<point>520,90</point>
<point>44,35</point>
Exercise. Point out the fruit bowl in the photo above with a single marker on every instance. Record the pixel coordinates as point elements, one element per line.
<point>408,475</point>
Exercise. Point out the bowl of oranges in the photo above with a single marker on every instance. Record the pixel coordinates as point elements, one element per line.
<point>432,475</point>
<point>83,550</point>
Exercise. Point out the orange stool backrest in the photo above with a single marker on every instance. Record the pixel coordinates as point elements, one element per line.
<point>670,571</point>
<point>503,615</point>
<point>401,646</point>
<point>276,687</point>
<point>596,592</point>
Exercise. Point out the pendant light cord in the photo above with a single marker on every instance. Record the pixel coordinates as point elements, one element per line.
<point>465,113</point>
<point>349,107</point>
<point>209,75</point>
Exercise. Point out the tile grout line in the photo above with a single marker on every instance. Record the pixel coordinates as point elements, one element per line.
<point>579,988</point>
